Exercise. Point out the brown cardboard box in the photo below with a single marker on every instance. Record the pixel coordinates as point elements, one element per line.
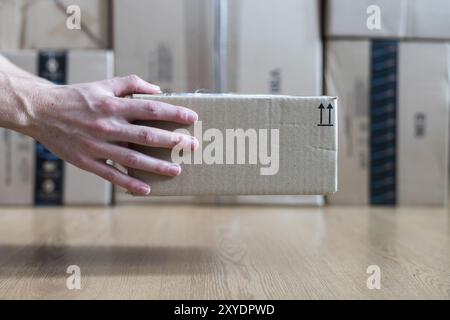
<point>228,46</point>
<point>250,144</point>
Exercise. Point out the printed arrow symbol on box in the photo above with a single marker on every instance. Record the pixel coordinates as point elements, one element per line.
<point>321,107</point>
<point>330,107</point>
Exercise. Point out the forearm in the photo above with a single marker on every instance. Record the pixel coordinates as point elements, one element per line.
<point>15,103</point>
<point>18,94</point>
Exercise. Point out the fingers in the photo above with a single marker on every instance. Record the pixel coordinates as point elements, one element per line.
<point>133,159</point>
<point>123,86</point>
<point>152,137</point>
<point>136,109</point>
<point>117,177</point>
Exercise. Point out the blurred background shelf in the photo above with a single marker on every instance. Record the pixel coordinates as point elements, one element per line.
<point>388,62</point>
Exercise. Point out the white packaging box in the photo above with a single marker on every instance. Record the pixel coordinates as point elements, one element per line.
<point>80,187</point>
<point>422,120</point>
<point>43,24</point>
<point>412,19</point>
<point>168,42</point>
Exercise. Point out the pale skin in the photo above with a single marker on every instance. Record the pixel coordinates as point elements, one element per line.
<point>90,123</point>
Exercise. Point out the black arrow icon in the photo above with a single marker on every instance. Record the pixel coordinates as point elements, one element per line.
<point>330,107</point>
<point>321,108</point>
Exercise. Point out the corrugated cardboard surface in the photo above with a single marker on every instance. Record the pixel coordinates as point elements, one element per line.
<point>413,19</point>
<point>122,197</point>
<point>41,24</point>
<point>80,187</point>
<point>277,200</point>
<point>167,42</point>
<point>307,152</point>
<point>422,120</point>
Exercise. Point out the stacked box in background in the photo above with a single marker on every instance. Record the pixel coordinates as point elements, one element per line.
<point>394,87</point>
<point>400,19</point>
<point>166,42</point>
<point>29,173</point>
<point>16,168</point>
<point>273,47</point>
<point>37,24</point>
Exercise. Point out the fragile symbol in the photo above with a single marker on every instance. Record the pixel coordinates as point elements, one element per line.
<point>321,123</point>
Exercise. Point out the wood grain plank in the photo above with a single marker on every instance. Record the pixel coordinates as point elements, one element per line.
<point>207,252</point>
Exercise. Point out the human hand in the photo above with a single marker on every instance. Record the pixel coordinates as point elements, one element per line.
<point>88,124</point>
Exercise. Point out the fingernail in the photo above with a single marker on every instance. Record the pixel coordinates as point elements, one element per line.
<point>174,169</point>
<point>157,88</point>
<point>144,189</point>
<point>192,116</point>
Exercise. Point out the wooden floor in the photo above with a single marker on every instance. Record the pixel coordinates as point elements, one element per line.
<point>179,252</point>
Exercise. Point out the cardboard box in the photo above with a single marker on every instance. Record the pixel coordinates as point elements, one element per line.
<point>411,19</point>
<point>235,29</point>
<point>273,47</point>
<point>121,197</point>
<point>16,168</point>
<point>347,76</point>
<point>394,119</point>
<point>46,179</point>
<point>168,42</point>
<point>224,51</point>
<point>42,24</point>
<point>82,65</point>
<point>10,23</point>
<point>250,144</point>
<point>277,200</point>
